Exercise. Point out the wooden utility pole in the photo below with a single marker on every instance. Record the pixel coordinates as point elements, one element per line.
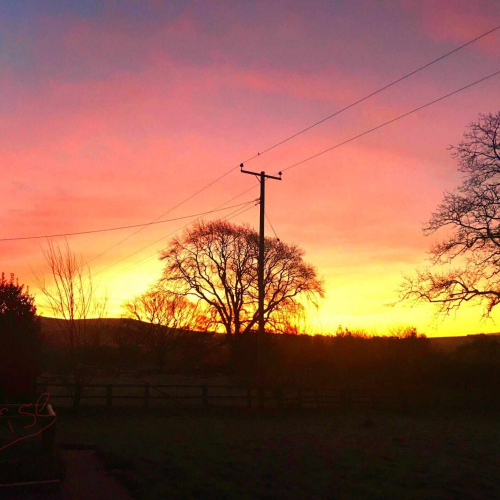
<point>262,179</point>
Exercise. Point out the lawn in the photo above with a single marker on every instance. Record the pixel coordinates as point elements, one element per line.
<point>337,455</point>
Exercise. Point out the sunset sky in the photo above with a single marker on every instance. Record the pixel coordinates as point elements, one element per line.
<point>112,113</point>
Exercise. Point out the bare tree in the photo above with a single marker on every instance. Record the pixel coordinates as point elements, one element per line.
<point>164,317</point>
<point>471,213</point>
<point>216,262</point>
<point>71,297</point>
<point>406,332</point>
<point>289,320</point>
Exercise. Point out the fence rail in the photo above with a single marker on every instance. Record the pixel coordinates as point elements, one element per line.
<point>204,395</point>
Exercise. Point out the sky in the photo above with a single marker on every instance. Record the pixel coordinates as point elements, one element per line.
<point>112,113</point>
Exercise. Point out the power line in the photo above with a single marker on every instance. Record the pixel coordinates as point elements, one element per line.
<point>272,227</point>
<point>385,87</point>
<point>391,121</point>
<point>165,213</point>
<point>335,147</point>
<point>167,235</point>
<point>228,217</point>
<point>171,233</point>
<point>241,211</point>
<point>119,228</point>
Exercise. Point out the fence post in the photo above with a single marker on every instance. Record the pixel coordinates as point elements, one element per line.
<point>146,395</point>
<point>205,396</point>
<point>249,397</point>
<point>261,397</point>
<point>109,395</point>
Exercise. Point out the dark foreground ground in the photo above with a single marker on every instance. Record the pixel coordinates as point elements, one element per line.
<point>383,455</point>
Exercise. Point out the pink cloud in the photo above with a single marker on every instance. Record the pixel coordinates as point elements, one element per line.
<point>341,88</point>
<point>458,21</point>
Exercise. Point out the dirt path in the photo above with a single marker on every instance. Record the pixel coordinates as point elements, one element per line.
<point>86,478</point>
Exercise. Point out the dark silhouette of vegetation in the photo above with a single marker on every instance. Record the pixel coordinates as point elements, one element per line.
<point>126,342</point>
<point>403,366</point>
<point>216,262</point>
<point>72,299</point>
<point>19,342</point>
<point>347,360</point>
<point>472,213</point>
<point>163,318</point>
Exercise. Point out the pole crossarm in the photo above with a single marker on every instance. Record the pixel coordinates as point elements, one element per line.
<point>260,174</point>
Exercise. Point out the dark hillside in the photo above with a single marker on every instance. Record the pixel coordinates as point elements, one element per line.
<point>54,339</point>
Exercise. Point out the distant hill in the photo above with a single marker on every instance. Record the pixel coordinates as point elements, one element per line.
<point>447,344</point>
<point>51,332</point>
<point>52,329</point>
<point>53,336</point>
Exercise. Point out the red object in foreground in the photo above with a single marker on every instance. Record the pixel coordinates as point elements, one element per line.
<point>22,411</point>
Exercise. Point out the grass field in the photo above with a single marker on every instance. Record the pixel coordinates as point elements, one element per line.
<point>296,456</point>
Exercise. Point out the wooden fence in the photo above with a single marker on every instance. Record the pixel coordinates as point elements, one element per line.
<point>205,396</point>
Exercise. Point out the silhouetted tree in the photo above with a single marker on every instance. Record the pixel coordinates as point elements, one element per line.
<point>72,299</point>
<point>471,213</point>
<point>164,317</point>
<point>19,340</point>
<point>406,332</point>
<point>216,262</point>
<point>289,320</point>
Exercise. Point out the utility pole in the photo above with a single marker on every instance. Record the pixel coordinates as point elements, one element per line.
<point>262,179</point>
